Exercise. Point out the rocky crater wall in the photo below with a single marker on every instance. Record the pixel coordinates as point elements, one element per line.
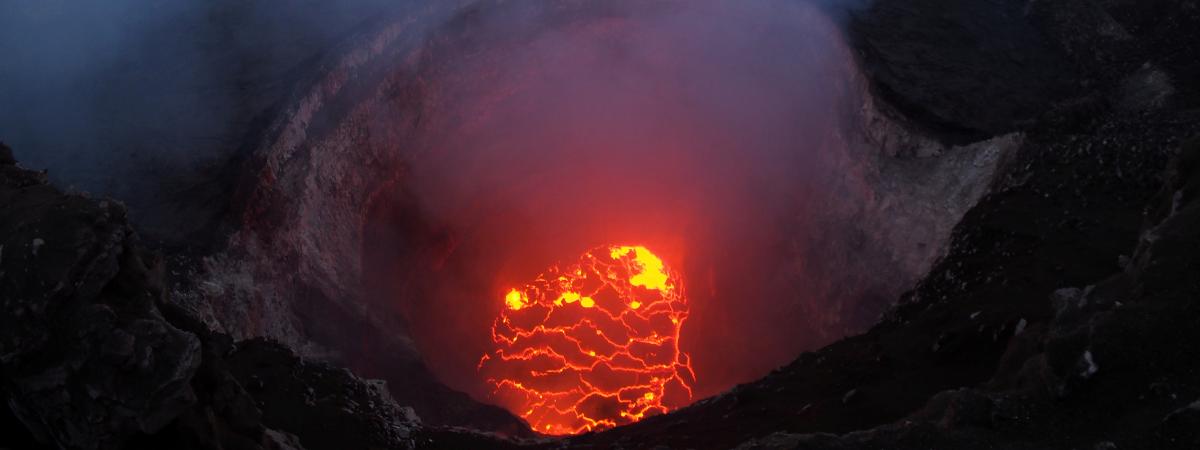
<point>346,157</point>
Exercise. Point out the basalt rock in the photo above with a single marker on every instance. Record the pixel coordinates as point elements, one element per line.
<point>1116,368</point>
<point>259,395</point>
<point>86,358</point>
<point>93,355</point>
<point>327,407</point>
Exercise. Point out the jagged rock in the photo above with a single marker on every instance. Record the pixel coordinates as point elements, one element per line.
<point>325,406</point>
<point>225,415</point>
<point>1068,401</point>
<point>964,70</point>
<point>6,155</point>
<point>92,354</point>
<point>85,357</point>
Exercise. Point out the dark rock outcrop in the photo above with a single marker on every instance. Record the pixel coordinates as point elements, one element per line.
<point>260,395</point>
<point>965,70</point>
<point>95,356</point>
<point>87,360</point>
<point>341,410</point>
<point>1115,367</point>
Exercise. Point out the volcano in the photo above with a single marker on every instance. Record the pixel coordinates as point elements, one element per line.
<point>599,224</point>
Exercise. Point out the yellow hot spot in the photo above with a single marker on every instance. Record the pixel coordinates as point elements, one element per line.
<point>515,300</point>
<point>633,276</point>
<point>568,297</point>
<point>652,274</point>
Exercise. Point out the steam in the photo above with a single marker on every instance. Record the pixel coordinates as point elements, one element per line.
<point>708,131</point>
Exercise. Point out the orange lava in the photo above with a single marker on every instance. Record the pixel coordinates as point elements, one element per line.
<point>593,345</point>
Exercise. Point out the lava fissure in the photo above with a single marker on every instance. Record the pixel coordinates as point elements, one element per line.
<point>593,346</point>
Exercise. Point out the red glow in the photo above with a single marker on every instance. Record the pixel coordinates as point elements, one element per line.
<point>593,345</point>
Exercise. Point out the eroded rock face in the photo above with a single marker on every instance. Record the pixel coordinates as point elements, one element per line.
<point>260,395</point>
<point>343,411</point>
<point>86,357</point>
<point>971,71</point>
<point>1115,366</point>
<point>307,185</point>
<point>293,271</point>
<point>95,356</point>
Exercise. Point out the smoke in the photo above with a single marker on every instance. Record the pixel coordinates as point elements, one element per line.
<point>707,131</point>
<point>147,101</point>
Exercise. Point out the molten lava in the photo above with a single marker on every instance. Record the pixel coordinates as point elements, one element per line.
<point>593,345</point>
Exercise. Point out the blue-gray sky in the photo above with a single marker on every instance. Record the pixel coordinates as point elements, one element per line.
<point>125,97</point>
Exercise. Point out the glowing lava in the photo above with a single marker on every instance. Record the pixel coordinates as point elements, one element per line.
<point>594,345</point>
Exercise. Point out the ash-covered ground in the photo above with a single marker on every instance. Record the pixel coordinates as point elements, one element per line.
<point>1061,314</point>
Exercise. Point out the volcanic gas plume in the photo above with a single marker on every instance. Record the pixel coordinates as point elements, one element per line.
<point>592,345</point>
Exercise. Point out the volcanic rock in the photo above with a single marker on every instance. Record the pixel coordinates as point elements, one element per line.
<point>340,410</point>
<point>86,358</point>
<point>1113,373</point>
<point>95,355</point>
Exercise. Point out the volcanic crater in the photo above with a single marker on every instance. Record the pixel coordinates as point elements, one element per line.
<point>629,224</point>
<point>417,180</point>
